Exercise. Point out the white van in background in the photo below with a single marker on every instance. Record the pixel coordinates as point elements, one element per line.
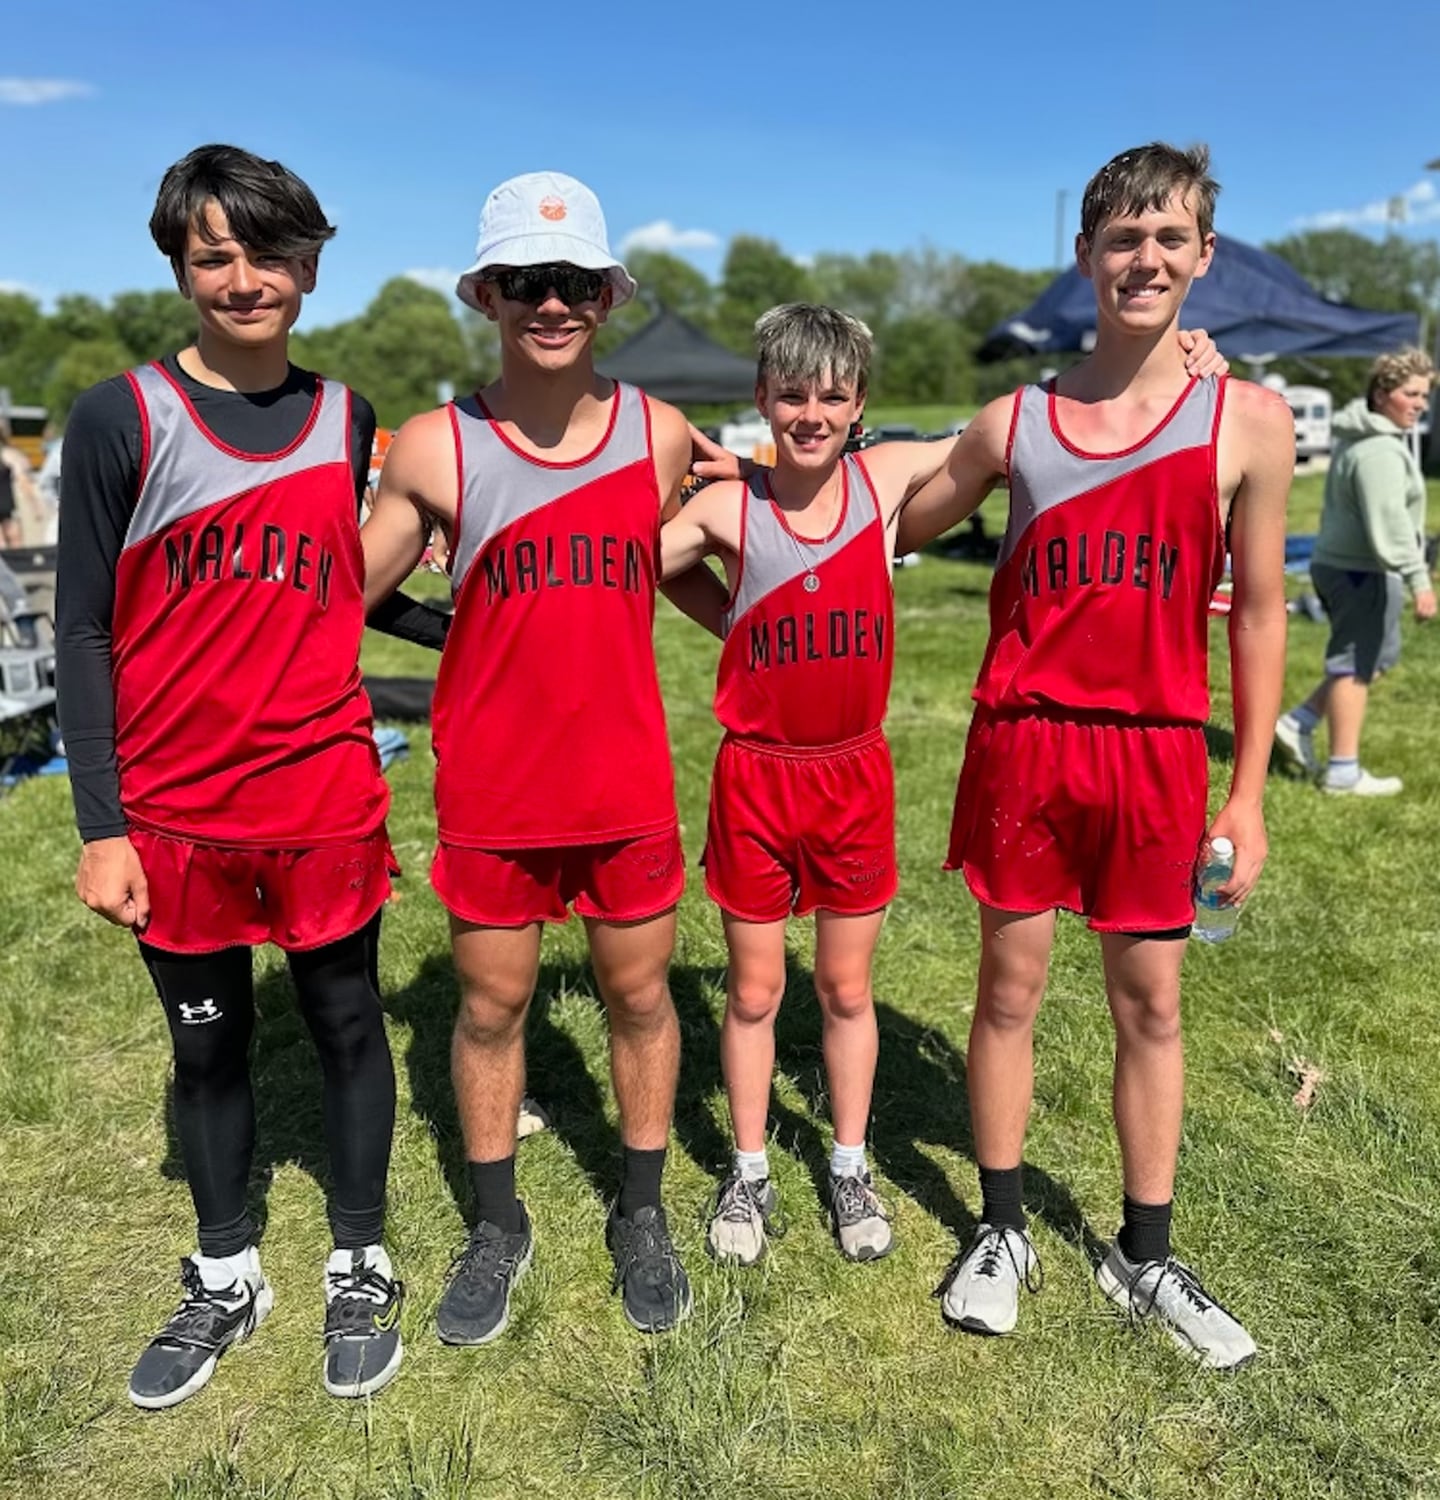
<point>1312,408</point>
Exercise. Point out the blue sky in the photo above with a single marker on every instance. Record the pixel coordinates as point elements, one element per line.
<point>826,126</point>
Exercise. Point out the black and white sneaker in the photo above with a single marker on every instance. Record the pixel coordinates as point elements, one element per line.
<point>651,1281</point>
<point>531,1120</point>
<point>476,1304</point>
<point>1170,1293</point>
<point>980,1292</point>
<point>745,1211</point>
<point>362,1322</point>
<point>181,1357</point>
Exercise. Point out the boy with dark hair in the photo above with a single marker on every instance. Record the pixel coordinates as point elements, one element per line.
<point>802,811</point>
<point>1085,777</point>
<point>550,486</point>
<point>226,784</point>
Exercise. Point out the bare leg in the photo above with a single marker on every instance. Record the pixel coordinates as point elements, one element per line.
<point>1348,700</point>
<point>844,948</point>
<point>1000,1064</point>
<point>497,968</point>
<point>754,988</point>
<point>1319,697</point>
<point>1142,978</point>
<point>631,962</point>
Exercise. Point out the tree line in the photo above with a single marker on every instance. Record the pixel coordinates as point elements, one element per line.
<point>930,311</point>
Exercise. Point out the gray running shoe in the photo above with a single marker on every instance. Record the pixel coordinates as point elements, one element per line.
<point>861,1225</point>
<point>181,1358</point>
<point>653,1287</point>
<point>1297,743</point>
<point>363,1349</point>
<point>981,1290</point>
<point>533,1119</point>
<point>476,1304</point>
<point>1170,1292</point>
<point>742,1219</point>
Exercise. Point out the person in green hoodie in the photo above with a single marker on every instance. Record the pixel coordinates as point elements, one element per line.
<point>1371,547</point>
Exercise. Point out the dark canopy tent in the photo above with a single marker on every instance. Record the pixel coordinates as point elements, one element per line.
<point>1254,305</point>
<point>674,361</point>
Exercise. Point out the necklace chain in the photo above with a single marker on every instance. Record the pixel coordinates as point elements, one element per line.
<point>820,550</point>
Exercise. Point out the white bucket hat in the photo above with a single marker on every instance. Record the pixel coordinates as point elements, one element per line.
<point>540,218</point>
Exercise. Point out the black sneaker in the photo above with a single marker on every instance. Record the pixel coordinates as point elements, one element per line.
<point>181,1357</point>
<point>476,1304</point>
<point>362,1323</point>
<point>654,1289</point>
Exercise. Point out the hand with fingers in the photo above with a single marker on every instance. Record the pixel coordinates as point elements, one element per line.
<point>111,881</point>
<point>1243,823</point>
<point>1202,357</point>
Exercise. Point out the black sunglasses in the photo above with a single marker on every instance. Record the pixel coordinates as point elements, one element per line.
<point>533,284</point>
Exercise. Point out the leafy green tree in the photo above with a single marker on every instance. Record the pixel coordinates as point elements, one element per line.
<point>84,363</point>
<point>674,284</point>
<point>150,324</point>
<point>80,319</point>
<point>757,275</point>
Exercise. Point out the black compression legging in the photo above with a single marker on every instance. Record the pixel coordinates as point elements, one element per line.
<point>209,1002</point>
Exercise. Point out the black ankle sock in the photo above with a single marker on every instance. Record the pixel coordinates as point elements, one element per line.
<point>1000,1190</point>
<point>493,1184</point>
<point>1145,1234</point>
<point>640,1180</point>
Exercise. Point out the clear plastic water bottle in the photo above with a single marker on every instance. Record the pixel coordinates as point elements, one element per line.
<point>1214,921</point>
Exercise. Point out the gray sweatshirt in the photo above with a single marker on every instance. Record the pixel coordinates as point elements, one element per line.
<point>1373,520</point>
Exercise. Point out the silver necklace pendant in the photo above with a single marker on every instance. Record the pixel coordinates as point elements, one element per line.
<point>811,583</point>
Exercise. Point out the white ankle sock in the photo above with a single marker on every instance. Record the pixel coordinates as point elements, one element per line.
<point>753,1166</point>
<point>848,1161</point>
<point>375,1259</point>
<point>220,1271</point>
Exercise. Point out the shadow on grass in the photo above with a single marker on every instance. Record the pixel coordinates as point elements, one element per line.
<point>921,1098</point>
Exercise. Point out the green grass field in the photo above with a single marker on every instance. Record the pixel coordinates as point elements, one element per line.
<point>807,1377</point>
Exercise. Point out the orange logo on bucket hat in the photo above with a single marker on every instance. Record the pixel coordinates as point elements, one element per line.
<point>552,209</point>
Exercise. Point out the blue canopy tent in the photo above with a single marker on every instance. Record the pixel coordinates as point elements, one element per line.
<point>1254,305</point>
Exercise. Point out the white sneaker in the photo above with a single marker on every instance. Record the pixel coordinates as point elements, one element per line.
<point>861,1224</point>
<point>981,1291</point>
<point>532,1119</point>
<point>1297,743</point>
<point>1366,786</point>
<point>1170,1292</point>
<point>743,1213</point>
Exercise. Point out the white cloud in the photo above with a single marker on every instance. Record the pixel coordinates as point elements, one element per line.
<point>42,90</point>
<point>663,235</point>
<point>437,278</point>
<point>1418,204</point>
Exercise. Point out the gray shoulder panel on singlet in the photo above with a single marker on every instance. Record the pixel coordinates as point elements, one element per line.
<point>502,486</point>
<point>772,556</point>
<point>1045,473</point>
<point>187,471</point>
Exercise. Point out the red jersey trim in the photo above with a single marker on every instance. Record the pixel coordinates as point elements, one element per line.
<point>1150,436</point>
<point>1221,521</point>
<point>144,433</point>
<point>744,535</point>
<point>569,463</point>
<point>814,541</point>
<point>251,458</point>
<point>454,536</point>
<point>1014,425</point>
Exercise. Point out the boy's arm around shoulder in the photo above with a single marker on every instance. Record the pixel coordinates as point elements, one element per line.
<point>418,484</point>
<point>685,580</point>
<point>1257,447</point>
<point>976,463</point>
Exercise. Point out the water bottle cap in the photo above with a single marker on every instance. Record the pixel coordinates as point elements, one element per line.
<point>1222,848</point>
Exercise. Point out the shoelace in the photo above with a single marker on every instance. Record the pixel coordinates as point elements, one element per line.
<point>994,1249</point>
<point>646,1249</point>
<point>739,1201</point>
<point>365,1284</point>
<point>1142,1305</point>
<point>856,1200</point>
<point>485,1253</point>
<point>193,1322</point>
